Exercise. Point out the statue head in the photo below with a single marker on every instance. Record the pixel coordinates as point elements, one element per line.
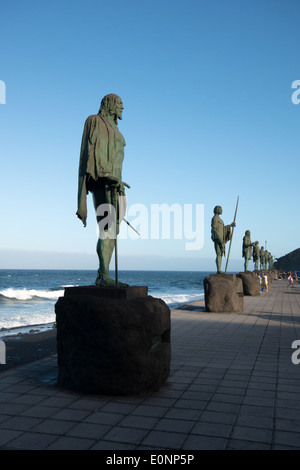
<point>247,233</point>
<point>218,210</point>
<point>111,106</point>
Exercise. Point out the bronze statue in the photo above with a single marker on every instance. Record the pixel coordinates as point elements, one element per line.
<point>262,257</point>
<point>255,255</point>
<point>247,249</point>
<point>266,257</point>
<point>270,260</point>
<point>100,172</point>
<point>220,235</point>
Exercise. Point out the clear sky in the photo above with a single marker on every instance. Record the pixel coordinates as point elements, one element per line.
<point>208,117</point>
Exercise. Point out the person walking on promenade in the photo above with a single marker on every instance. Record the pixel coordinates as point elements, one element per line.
<point>265,282</point>
<point>291,279</point>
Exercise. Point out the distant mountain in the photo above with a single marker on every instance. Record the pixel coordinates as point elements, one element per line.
<point>289,262</point>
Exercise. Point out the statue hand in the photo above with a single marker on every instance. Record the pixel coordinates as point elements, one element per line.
<point>116,183</point>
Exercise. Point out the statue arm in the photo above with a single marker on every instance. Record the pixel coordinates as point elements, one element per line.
<point>86,165</point>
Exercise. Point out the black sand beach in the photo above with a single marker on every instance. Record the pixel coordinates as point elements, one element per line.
<point>28,348</point>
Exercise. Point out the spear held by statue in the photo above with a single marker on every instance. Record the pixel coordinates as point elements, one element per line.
<point>233,225</point>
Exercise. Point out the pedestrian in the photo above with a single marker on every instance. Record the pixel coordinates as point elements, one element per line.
<point>265,281</point>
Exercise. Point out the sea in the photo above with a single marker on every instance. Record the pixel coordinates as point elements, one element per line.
<point>28,297</point>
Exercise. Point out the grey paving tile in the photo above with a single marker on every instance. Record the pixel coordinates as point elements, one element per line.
<point>164,440</point>
<point>194,442</point>
<point>40,411</point>
<point>174,425</point>
<point>71,443</point>
<point>255,421</point>
<point>140,422</point>
<point>212,429</point>
<point>19,423</point>
<point>125,435</point>
<point>7,436</point>
<point>149,410</point>
<point>288,438</point>
<point>54,426</point>
<point>218,417</point>
<point>100,417</point>
<point>32,441</point>
<point>237,444</point>
<point>70,414</point>
<point>252,434</point>
<point>88,430</point>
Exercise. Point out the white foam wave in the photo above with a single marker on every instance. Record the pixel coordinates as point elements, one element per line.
<point>28,294</point>
<point>173,300</point>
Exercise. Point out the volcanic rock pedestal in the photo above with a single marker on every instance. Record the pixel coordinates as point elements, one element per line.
<point>223,293</point>
<point>251,283</point>
<point>113,341</point>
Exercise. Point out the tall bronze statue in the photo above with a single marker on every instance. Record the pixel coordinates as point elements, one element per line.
<point>266,258</point>
<point>220,235</point>
<point>255,255</point>
<point>247,249</point>
<point>270,261</point>
<point>262,257</point>
<point>100,172</point>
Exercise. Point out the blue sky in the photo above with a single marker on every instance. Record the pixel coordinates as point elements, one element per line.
<point>208,117</point>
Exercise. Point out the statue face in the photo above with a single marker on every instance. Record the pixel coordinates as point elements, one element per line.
<point>119,108</point>
<point>218,210</point>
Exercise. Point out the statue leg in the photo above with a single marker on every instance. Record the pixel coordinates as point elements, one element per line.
<point>105,244</point>
<point>105,248</point>
<point>218,250</point>
<point>107,234</point>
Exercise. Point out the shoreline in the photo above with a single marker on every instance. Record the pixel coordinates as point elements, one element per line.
<point>27,348</point>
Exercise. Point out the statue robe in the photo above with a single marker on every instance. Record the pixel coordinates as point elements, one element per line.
<point>247,247</point>
<point>220,233</point>
<point>98,156</point>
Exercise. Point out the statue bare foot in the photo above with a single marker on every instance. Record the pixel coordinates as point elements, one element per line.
<point>108,282</point>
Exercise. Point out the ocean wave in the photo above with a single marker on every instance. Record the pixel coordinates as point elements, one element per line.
<point>175,300</point>
<point>11,294</point>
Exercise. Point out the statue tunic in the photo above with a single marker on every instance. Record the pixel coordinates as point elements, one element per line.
<point>247,247</point>
<point>220,233</point>
<point>101,156</point>
<point>255,253</point>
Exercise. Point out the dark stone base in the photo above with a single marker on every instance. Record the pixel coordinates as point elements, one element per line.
<point>112,345</point>
<point>251,283</point>
<point>223,293</point>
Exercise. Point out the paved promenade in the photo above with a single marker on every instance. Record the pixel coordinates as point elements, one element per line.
<point>233,385</point>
